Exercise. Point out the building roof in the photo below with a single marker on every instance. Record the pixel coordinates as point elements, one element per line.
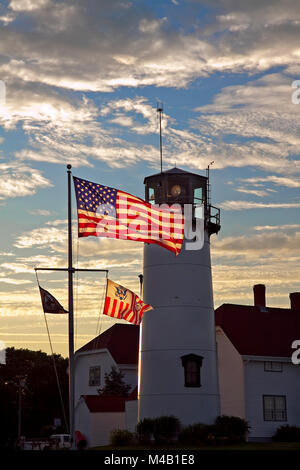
<point>259,331</point>
<point>103,403</point>
<point>254,331</point>
<point>174,171</point>
<point>121,340</point>
<point>132,395</point>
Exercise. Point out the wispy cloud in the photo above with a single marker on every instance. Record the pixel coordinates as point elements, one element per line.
<point>19,180</point>
<point>42,212</point>
<point>277,180</point>
<point>255,192</point>
<point>276,227</point>
<point>242,205</point>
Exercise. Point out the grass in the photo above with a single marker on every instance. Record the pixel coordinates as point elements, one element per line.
<point>245,446</point>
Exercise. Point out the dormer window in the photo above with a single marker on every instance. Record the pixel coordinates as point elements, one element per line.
<point>192,364</point>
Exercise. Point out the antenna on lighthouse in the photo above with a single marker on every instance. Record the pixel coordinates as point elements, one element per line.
<point>159,112</point>
<point>208,183</point>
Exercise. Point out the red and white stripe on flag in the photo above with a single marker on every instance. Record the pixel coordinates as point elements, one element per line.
<point>123,304</point>
<point>108,212</point>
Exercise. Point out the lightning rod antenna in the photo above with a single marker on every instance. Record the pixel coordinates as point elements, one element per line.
<point>208,183</point>
<point>160,111</point>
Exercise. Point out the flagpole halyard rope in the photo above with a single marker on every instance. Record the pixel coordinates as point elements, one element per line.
<point>100,318</point>
<point>76,294</point>
<point>54,365</point>
<point>56,375</point>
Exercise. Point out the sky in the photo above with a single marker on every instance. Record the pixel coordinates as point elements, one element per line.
<point>82,81</point>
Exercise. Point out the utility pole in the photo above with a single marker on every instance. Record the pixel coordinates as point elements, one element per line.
<point>21,385</point>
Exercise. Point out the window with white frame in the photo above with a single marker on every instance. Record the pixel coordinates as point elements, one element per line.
<point>271,366</point>
<point>274,408</point>
<point>94,376</point>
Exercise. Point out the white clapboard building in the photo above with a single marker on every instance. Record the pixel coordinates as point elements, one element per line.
<point>257,380</point>
<point>96,416</point>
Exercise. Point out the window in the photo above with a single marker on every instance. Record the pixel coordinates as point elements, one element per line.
<point>192,364</point>
<point>94,376</point>
<point>274,408</point>
<point>198,196</point>
<point>271,366</point>
<point>151,196</point>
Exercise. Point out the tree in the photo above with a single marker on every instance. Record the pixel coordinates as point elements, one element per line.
<point>115,384</point>
<point>40,400</point>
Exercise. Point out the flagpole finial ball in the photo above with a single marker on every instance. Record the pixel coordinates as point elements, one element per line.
<point>69,167</point>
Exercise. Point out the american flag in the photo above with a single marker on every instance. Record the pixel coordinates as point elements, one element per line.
<point>108,212</point>
<point>123,304</point>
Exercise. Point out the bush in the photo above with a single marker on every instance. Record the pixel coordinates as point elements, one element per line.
<point>145,429</point>
<point>287,434</point>
<point>225,430</point>
<point>193,435</point>
<point>166,429</point>
<point>46,431</point>
<point>163,429</point>
<point>121,438</point>
<point>231,428</point>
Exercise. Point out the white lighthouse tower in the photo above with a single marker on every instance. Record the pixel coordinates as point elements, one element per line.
<point>178,361</point>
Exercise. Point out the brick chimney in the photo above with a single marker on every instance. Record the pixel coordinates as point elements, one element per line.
<point>259,295</point>
<point>295,300</point>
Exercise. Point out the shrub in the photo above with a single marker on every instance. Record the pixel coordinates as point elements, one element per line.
<point>163,429</point>
<point>225,430</point>
<point>120,438</point>
<point>144,430</point>
<point>231,428</point>
<point>166,429</point>
<point>46,431</point>
<point>287,434</point>
<point>193,435</point>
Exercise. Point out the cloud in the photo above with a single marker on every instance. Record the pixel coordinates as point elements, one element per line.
<point>242,205</point>
<point>7,18</point>
<point>258,121</point>
<point>277,180</point>
<point>14,282</point>
<point>255,192</point>
<point>26,265</point>
<point>265,245</point>
<point>269,257</point>
<point>139,107</point>
<point>68,130</point>
<point>42,212</point>
<point>276,227</point>
<point>140,48</point>
<point>28,5</point>
<point>42,237</point>
<point>119,256</point>
<point>20,180</point>
<point>36,103</point>
<point>64,130</point>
